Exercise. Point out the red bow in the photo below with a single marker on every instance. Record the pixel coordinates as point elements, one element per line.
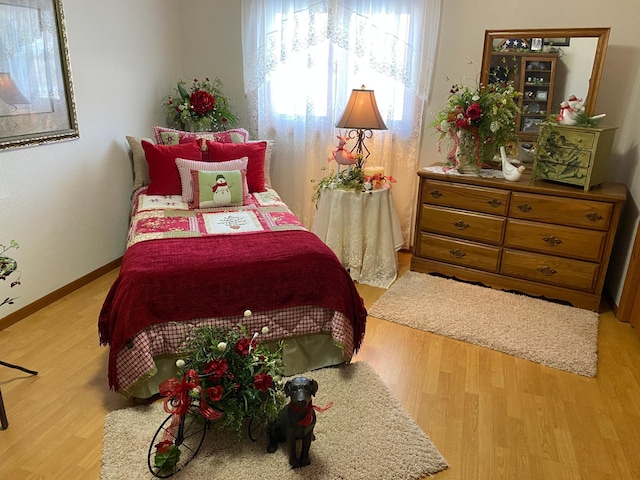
<point>178,399</point>
<point>306,421</point>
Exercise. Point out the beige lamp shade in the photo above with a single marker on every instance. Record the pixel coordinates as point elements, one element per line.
<point>362,112</point>
<point>9,92</point>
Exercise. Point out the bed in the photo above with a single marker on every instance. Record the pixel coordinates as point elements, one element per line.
<point>191,262</point>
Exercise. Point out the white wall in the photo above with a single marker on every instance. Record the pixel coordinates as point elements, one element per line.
<point>69,201</point>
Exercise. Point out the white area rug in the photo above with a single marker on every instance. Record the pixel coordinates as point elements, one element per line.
<point>366,434</point>
<point>555,335</point>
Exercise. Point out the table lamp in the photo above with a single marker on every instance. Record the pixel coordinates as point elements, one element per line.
<point>361,116</point>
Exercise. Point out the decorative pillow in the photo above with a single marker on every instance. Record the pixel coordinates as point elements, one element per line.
<point>185,167</point>
<point>217,189</point>
<point>140,167</point>
<point>170,136</point>
<point>255,151</point>
<point>163,173</point>
<point>267,160</point>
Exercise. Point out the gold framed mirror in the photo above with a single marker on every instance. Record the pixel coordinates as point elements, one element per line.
<point>547,66</point>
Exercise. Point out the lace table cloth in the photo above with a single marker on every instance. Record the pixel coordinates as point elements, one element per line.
<point>363,230</point>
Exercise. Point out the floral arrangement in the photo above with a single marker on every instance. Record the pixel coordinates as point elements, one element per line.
<point>476,122</point>
<point>378,181</point>
<point>200,107</point>
<point>229,376</point>
<point>8,266</point>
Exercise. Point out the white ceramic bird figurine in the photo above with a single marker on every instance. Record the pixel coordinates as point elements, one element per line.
<point>510,171</point>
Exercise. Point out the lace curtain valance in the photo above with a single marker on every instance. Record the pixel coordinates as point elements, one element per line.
<point>371,37</point>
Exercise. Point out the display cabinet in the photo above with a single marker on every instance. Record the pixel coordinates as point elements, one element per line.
<point>533,75</point>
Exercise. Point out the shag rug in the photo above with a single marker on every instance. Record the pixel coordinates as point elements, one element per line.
<point>555,335</point>
<point>366,434</point>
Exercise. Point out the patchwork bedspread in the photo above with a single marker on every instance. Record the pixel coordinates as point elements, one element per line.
<point>185,265</point>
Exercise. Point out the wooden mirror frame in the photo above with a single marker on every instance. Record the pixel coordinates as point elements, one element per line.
<point>602,34</point>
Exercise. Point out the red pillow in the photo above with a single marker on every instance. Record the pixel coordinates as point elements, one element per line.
<point>254,151</point>
<point>163,172</point>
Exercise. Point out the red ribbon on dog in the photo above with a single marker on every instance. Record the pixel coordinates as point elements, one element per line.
<point>306,421</point>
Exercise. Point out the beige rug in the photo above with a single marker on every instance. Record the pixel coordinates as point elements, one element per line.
<point>555,335</point>
<point>366,434</point>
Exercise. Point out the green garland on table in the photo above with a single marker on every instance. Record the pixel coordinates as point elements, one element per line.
<point>348,179</point>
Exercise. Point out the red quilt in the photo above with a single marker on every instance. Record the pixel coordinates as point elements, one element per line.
<point>183,279</point>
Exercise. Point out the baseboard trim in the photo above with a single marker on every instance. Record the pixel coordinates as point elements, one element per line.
<point>57,295</point>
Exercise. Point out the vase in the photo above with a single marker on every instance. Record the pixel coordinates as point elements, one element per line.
<point>467,158</point>
<point>198,125</point>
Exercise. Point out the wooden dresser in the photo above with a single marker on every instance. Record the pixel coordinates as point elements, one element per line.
<point>543,239</point>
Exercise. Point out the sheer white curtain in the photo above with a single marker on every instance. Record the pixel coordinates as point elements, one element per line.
<point>302,58</point>
<point>28,54</point>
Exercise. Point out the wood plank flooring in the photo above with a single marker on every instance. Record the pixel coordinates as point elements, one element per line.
<point>491,415</point>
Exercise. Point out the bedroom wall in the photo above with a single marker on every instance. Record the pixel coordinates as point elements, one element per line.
<point>459,57</point>
<point>68,201</point>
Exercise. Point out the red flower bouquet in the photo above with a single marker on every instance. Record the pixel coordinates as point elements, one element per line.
<point>201,107</point>
<point>230,375</point>
<point>476,122</point>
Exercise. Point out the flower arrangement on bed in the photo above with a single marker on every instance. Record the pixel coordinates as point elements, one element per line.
<point>209,238</point>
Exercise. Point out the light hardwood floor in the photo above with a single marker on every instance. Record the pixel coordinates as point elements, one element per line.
<point>491,415</point>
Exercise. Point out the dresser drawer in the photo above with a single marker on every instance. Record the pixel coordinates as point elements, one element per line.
<point>548,269</point>
<point>566,138</point>
<point>555,239</point>
<point>459,223</point>
<point>559,172</point>
<point>459,252</point>
<point>568,158</point>
<point>467,197</point>
<point>563,211</point>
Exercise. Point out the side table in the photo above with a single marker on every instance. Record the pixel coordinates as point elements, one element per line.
<point>363,230</point>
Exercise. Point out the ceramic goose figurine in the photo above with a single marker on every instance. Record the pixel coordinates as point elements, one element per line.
<point>510,171</point>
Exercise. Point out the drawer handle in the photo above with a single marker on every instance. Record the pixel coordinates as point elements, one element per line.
<point>525,207</point>
<point>457,253</point>
<point>551,240</point>
<point>436,193</point>
<point>460,225</point>
<point>494,202</point>
<point>547,271</point>
<point>594,217</point>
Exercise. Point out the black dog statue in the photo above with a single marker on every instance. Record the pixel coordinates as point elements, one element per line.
<point>295,421</point>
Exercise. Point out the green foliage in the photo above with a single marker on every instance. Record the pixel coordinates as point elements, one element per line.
<point>584,120</point>
<point>167,459</point>
<point>347,179</point>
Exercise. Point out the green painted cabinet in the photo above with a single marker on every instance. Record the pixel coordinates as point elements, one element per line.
<point>573,155</point>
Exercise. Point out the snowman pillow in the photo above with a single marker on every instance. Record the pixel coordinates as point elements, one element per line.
<point>186,166</point>
<point>217,188</point>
